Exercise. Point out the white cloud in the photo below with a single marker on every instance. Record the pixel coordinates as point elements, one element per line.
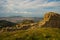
<point>51,4</point>
<point>11,5</point>
<point>24,3</point>
<point>24,12</point>
<point>30,4</point>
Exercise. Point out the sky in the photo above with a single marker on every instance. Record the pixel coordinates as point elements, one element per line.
<point>28,8</point>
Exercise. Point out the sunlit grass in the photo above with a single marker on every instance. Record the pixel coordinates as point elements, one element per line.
<point>32,34</point>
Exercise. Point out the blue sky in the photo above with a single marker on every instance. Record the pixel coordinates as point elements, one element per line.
<point>28,8</point>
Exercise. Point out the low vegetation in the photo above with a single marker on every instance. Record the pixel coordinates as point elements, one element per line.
<point>32,34</point>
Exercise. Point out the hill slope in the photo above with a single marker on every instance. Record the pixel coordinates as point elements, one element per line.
<point>4,23</point>
<point>32,34</point>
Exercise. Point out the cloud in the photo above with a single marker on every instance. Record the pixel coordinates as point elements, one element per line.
<point>51,4</point>
<point>30,4</point>
<point>24,3</point>
<point>24,12</point>
<point>16,5</point>
<point>32,7</point>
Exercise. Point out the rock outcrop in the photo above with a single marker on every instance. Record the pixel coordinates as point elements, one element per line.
<point>51,19</point>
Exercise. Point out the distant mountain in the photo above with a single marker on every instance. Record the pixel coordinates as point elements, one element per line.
<point>4,23</point>
<point>15,16</point>
<point>17,19</point>
<point>51,19</point>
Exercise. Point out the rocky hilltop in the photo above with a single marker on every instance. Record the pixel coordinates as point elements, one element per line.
<point>50,19</point>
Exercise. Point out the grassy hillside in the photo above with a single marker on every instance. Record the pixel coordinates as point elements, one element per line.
<point>32,34</point>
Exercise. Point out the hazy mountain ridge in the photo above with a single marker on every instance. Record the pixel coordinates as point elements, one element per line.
<point>19,18</point>
<point>50,19</point>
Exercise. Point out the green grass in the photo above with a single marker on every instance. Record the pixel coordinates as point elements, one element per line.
<point>32,34</point>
